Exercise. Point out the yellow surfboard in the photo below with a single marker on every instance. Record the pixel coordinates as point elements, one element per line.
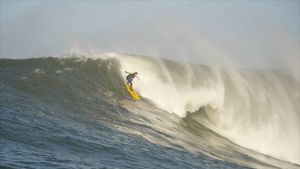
<point>132,93</point>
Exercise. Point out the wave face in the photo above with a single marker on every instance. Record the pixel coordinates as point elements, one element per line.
<point>74,112</point>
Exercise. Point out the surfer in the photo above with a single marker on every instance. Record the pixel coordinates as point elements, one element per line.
<point>130,77</point>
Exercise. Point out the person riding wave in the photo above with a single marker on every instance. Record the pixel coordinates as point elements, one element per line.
<point>130,77</point>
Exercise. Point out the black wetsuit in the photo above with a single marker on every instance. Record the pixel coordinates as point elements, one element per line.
<point>129,79</point>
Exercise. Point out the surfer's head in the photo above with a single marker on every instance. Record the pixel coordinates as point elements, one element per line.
<point>135,73</point>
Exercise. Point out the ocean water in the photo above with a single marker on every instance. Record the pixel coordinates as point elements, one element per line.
<point>74,112</point>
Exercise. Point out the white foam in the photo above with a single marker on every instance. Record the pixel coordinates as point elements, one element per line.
<point>254,116</point>
<point>165,93</point>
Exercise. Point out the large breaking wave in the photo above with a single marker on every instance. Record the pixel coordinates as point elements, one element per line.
<point>258,110</point>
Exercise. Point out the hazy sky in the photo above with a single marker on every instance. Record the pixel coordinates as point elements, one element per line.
<point>261,33</point>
